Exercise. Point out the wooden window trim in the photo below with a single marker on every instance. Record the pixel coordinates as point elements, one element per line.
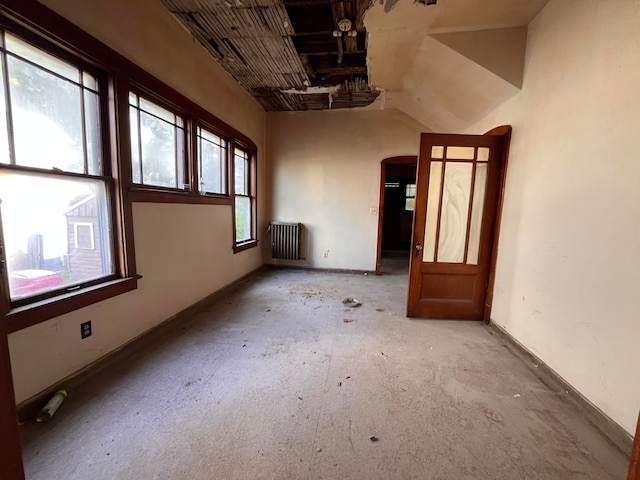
<point>241,247</point>
<point>23,317</point>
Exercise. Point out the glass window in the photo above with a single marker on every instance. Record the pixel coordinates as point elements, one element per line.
<point>157,144</point>
<point>410,197</point>
<point>55,210</point>
<point>212,162</point>
<point>244,197</point>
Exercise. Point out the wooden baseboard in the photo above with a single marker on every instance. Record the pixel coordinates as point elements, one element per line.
<point>617,435</point>
<point>316,269</point>
<point>29,408</point>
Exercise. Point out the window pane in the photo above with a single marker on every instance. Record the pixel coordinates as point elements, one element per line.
<point>133,99</point>
<point>433,206</point>
<point>135,145</point>
<point>437,151</point>
<point>411,190</point>
<point>240,173</point>
<point>212,155</point>
<point>477,209</point>
<point>158,135</point>
<point>462,153</point>
<point>57,231</point>
<point>409,204</point>
<point>89,81</point>
<point>454,212</point>
<point>39,57</point>
<point>243,218</point>
<point>92,122</point>
<point>158,151</point>
<point>154,109</point>
<point>47,119</point>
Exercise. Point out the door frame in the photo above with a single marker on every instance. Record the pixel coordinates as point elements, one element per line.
<point>503,131</point>
<point>401,160</point>
<point>634,461</point>
<point>11,466</point>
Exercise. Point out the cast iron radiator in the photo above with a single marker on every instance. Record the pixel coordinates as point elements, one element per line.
<point>285,240</point>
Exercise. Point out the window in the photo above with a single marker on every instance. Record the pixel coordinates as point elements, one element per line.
<point>244,197</point>
<point>69,175</point>
<point>212,162</point>
<point>157,145</point>
<point>410,196</point>
<point>56,208</point>
<point>83,234</point>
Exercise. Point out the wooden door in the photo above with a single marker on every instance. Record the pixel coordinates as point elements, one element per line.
<point>455,212</point>
<point>634,462</point>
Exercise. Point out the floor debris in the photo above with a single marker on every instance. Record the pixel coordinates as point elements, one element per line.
<point>351,302</point>
<point>373,438</point>
<point>52,406</point>
<point>379,309</point>
<point>339,384</point>
<point>347,320</point>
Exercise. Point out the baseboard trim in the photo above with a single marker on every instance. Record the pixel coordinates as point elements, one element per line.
<point>316,269</point>
<point>29,408</point>
<point>617,435</point>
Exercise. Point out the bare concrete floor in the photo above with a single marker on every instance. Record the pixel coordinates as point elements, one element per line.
<point>271,383</point>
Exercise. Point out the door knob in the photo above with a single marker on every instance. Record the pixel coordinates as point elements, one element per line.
<point>418,247</point>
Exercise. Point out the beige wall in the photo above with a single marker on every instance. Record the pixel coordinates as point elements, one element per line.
<point>184,252</point>
<point>569,261</point>
<point>324,171</point>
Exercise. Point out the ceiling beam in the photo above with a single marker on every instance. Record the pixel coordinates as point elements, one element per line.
<point>343,70</point>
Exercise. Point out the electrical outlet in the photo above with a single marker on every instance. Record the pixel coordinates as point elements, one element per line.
<point>85,329</point>
<point>326,254</point>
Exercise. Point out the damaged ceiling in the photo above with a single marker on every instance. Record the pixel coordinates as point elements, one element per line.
<point>442,62</point>
<point>289,54</point>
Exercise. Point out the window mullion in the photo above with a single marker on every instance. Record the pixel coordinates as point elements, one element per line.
<point>139,139</point>
<point>7,98</point>
<point>85,146</point>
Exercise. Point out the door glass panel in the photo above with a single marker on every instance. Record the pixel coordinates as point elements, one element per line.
<point>455,211</point>
<point>461,153</point>
<point>483,154</point>
<point>437,151</point>
<point>431,224</point>
<point>476,214</point>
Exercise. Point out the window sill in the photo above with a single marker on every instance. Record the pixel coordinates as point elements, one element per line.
<point>23,317</point>
<point>138,194</point>
<point>246,245</point>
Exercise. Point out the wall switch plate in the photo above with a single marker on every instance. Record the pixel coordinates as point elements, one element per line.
<point>85,329</point>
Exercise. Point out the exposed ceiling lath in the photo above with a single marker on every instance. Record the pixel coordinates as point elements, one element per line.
<point>277,49</point>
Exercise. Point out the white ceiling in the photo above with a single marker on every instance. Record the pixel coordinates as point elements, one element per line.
<point>449,64</point>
